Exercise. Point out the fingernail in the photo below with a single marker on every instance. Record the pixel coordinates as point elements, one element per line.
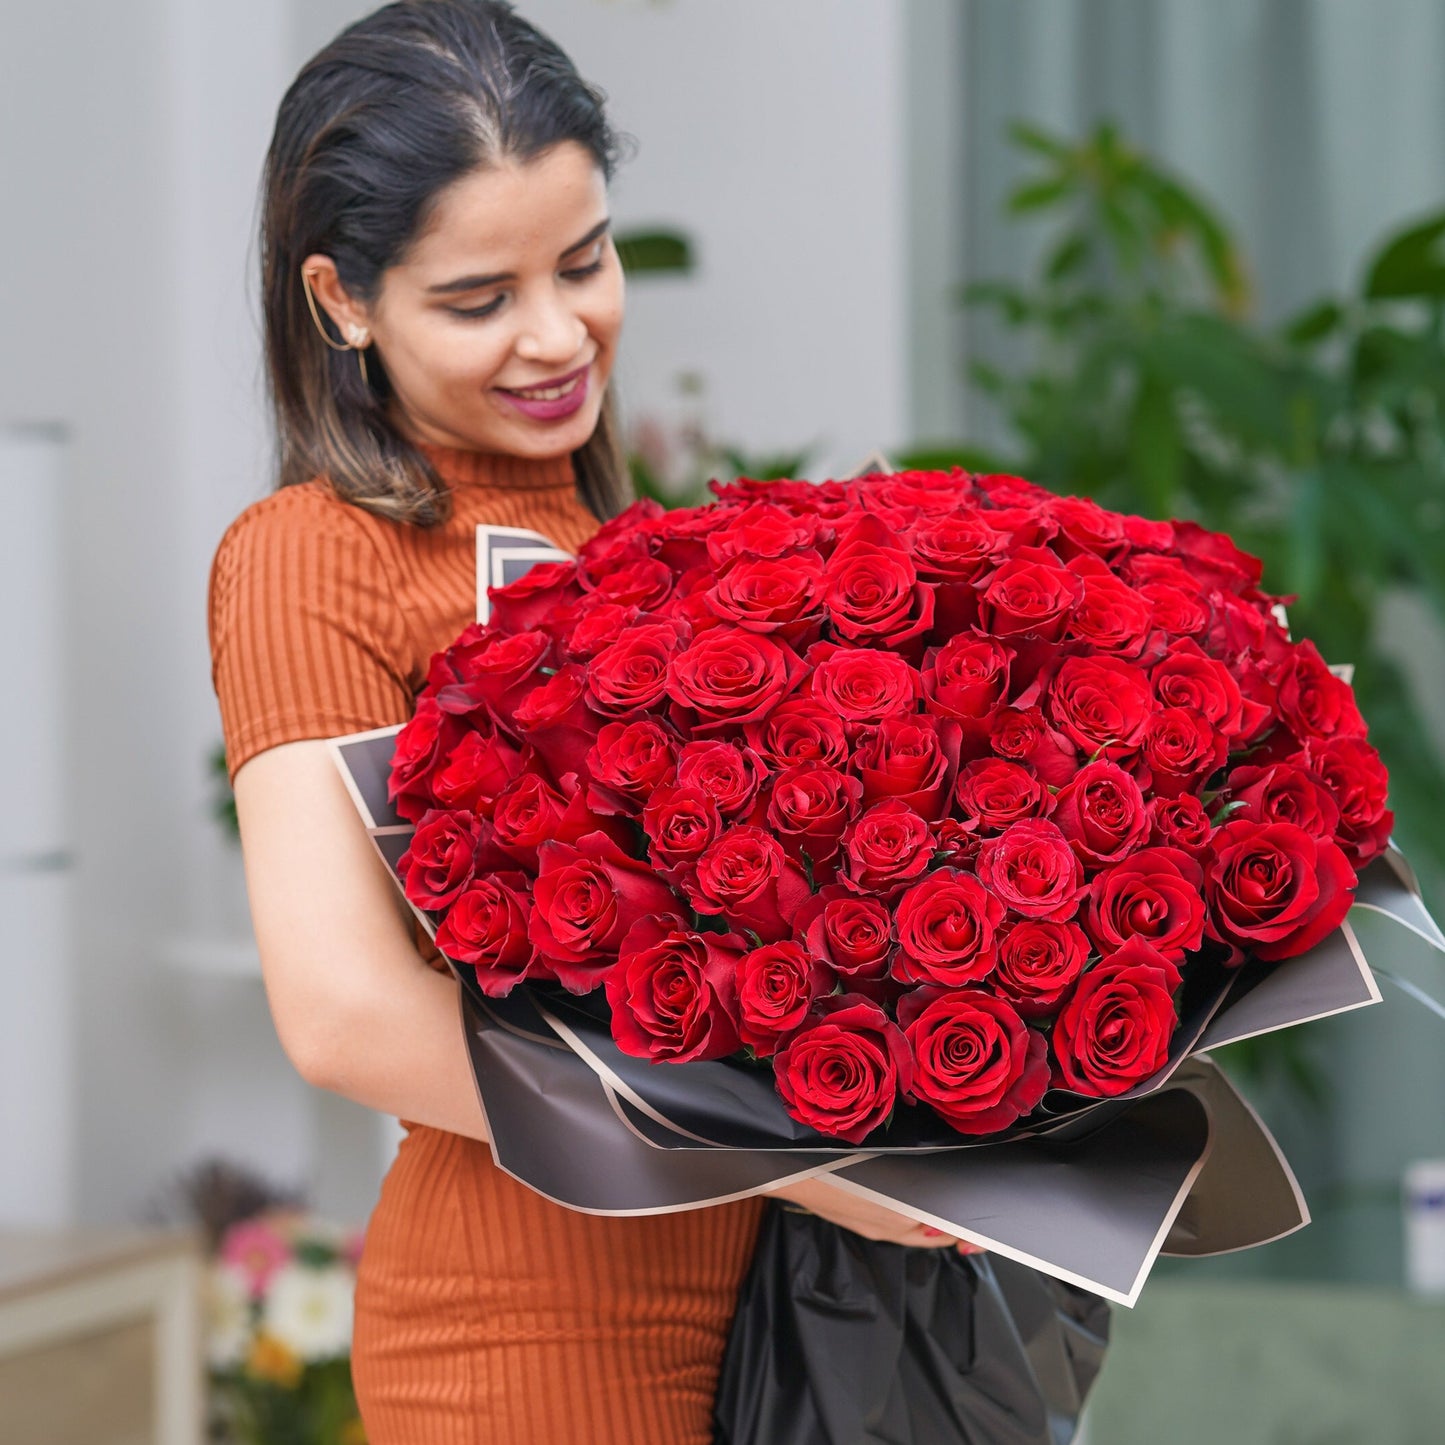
<point>931,1232</point>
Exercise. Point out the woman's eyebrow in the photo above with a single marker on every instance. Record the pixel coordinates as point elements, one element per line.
<point>474,283</point>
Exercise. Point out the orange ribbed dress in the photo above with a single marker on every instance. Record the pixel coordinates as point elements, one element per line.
<point>484,1313</point>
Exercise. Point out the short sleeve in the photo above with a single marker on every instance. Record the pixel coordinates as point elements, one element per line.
<point>307,638</point>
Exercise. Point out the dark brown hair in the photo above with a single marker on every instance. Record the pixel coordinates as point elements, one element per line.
<point>399,106</point>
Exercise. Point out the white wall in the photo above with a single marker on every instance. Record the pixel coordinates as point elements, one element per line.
<point>131,139</point>
<point>774,135</point>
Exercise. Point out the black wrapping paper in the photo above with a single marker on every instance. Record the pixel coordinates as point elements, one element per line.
<point>841,1340</point>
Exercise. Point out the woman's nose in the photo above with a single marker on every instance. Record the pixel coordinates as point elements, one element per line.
<point>551,330</point>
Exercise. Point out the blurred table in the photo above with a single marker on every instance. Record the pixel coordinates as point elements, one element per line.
<point>1272,1363</point>
<point>101,1338</point>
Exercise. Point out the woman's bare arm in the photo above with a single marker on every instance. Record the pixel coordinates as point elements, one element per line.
<point>357,1009</point>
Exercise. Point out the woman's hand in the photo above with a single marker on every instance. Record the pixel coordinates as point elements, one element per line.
<point>863,1217</point>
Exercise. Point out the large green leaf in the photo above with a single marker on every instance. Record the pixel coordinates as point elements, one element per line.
<point>1411,263</point>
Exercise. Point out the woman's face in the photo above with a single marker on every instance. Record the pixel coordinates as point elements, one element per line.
<point>499,328</point>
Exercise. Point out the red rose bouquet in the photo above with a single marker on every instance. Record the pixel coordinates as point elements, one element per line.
<point>933,808</point>
<point>928,789</point>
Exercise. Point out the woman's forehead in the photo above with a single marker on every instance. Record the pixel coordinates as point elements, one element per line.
<point>510,214</point>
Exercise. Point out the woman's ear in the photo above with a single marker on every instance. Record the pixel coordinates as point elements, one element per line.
<point>348,316</point>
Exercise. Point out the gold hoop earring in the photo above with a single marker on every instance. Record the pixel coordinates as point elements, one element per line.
<point>358,347</point>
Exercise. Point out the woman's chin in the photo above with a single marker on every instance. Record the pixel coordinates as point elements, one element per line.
<point>555,439</point>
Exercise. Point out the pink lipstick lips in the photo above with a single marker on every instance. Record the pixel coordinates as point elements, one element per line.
<point>554,399</point>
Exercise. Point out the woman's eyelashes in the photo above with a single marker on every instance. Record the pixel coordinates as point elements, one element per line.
<point>577,273</point>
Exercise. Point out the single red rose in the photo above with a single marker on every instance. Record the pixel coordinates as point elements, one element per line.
<point>680,823</point>
<point>800,730</point>
<point>1111,615</point>
<point>541,591</point>
<point>946,925</point>
<point>1282,793</point>
<point>497,674</point>
<point>1086,528</point>
<point>910,758</point>
<point>627,763</point>
<point>853,935</point>
<point>746,876</point>
<point>1313,702</point>
<point>1026,524</point>
<point>597,627</point>
<point>631,675</point>
<point>421,749</point>
<point>1037,964</point>
<point>955,548</point>
<point>1101,812</point>
<point>1101,704</point>
<point>554,719</point>
<point>872,593</point>
<point>1181,749</point>
<point>475,772</point>
<point>1187,677</point>
<point>771,594</point>
<point>1003,489</point>
<point>731,774</point>
<point>886,848</point>
<point>616,542</point>
<point>976,1062</point>
<point>995,793</point>
<point>486,927</point>
<point>777,985</point>
<point>586,899</point>
<point>729,677</point>
<point>762,530</point>
<point>1177,612</point>
<point>1146,569</point>
<point>1114,1030</point>
<point>1157,895</point>
<point>441,858</point>
<point>527,813</point>
<point>927,491</point>
<point>645,583</point>
<point>1351,769</point>
<point>673,993</point>
<point>1031,869</point>
<point>808,809</point>
<point>1032,594</point>
<point>1146,532</point>
<point>844,1070</point>
<point>1180,823</point>
<point>1235,627</point>
<point>967,679</point>
<point>862,685</point>
<point>1023,736</point>
<point>955,842</point>
<point>1274,891</point>
<point>1213,557</point>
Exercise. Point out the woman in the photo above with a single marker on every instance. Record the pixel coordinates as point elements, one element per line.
<point>442,308</point>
